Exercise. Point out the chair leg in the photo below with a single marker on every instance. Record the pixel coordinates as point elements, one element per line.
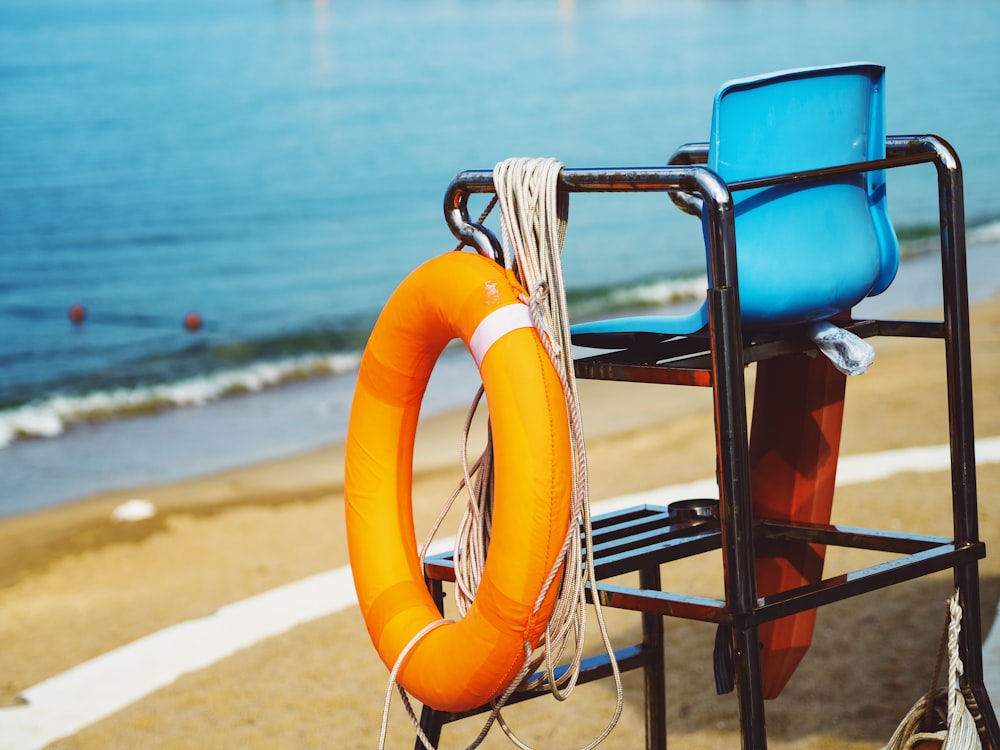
<point>430,724</point>
<point>971,646</point>
<point>749,680</point>
<point>654,671</point>
<point>432,721</point>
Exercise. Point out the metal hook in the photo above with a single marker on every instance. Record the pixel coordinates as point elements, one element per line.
<point>456,211</point>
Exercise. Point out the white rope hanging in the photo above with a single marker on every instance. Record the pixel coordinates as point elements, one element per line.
<point>945,705</point>
<point>533,221</point>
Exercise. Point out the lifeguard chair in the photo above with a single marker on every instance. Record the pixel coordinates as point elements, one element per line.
<point>790,189</point>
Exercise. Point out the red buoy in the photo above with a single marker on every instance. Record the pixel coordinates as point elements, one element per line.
<point>77,313</point>
<point>192,321</point>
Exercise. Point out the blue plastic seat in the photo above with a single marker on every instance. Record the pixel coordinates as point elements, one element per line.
<point>805,251</point>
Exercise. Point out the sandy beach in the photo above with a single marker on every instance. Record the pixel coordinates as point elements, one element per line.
<point>74,584</point>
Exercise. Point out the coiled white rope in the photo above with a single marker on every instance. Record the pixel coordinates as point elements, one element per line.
<point>962,731</point>
<point>922,722</point>
<point>533,221</point>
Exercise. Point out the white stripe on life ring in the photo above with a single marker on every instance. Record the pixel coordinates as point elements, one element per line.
<point>495,326</point>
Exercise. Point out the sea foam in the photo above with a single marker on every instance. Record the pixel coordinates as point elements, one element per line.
<point>50,417</point>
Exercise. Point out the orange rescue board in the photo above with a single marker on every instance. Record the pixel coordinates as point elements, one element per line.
<point>794,445</point>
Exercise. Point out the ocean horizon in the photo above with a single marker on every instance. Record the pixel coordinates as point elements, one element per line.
<point>276,167</point>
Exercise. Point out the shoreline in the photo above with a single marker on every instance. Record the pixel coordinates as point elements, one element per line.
<point>302,477</point>
<point>304,416</point>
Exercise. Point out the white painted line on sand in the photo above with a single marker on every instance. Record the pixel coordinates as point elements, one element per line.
<point>68,702</point>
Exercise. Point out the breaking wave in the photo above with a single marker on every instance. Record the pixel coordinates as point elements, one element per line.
<point>258,365</point>
<point>53,415</point>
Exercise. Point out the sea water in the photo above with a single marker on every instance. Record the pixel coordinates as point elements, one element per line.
<point>278,166</point>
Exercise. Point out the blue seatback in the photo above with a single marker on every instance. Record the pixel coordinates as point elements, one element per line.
<point>805,251</point>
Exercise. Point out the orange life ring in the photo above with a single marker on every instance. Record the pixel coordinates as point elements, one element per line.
<point>465,664</point>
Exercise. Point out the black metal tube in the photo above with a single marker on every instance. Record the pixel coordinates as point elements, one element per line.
<point>637,179</point>
<point>958,350</point>
<point>690,153</point>
<point>686,155</point>
<point>654,670</point>
<point>958,357</point>
<point>753,729</point>
<point>736,506</point>
<point>957,345</point>
<point>685,179</point>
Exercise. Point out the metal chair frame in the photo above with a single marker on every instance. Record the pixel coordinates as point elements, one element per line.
<point>642,539</point>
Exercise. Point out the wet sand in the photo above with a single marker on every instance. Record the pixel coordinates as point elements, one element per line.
<point>74,585</point>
